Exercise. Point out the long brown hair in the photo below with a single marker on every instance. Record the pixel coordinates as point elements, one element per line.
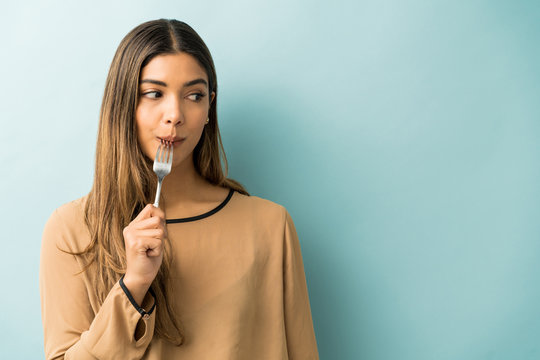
<point>124,181</point>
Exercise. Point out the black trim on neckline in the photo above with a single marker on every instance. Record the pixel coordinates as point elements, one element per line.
<point>206,214</point>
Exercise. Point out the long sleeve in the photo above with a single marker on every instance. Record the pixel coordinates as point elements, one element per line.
<point>301,342</point>
<point>75,325</point>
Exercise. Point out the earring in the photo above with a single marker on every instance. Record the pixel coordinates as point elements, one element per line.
<point>207,120</point>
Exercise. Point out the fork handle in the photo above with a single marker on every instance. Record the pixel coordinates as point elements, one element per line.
<point>158,192</point>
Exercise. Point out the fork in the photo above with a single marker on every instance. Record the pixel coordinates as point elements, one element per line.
<point>162,165</point>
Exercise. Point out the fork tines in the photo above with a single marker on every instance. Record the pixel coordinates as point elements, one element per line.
<point>164,152</point>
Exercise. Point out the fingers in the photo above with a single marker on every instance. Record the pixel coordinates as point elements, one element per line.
<point>145,213</point>
<point>143,240</point>
<point>150,223</point>
<point>155,211</point>
<point>149,247</point>
<point>151,233</point>
<point>133,236</point>
<point>150,211</point>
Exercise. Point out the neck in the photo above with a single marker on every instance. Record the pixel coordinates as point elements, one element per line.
<point>182,184</point>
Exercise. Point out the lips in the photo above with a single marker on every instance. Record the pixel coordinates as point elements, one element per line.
<point>171,139</point>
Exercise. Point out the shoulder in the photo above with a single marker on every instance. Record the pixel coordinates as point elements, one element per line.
<point>260,208</point>
<point>66,226</point>
<point>73,209</point>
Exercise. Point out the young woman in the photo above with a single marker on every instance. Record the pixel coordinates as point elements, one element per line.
<point>213,273</point>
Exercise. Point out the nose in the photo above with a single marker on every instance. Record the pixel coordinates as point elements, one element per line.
<point>172,114</point>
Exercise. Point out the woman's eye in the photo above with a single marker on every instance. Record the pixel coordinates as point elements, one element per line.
<point>152,94</point>
<point>196,97</point>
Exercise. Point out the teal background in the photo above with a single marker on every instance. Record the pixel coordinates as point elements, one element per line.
<point>402,136</point>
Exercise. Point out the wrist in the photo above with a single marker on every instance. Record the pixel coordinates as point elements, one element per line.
<point>136,287</point>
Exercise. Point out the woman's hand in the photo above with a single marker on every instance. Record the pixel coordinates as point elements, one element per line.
<point>144,238</point>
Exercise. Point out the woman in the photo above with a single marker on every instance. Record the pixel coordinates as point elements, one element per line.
<point>213,273</point>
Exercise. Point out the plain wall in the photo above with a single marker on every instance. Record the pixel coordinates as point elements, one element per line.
<point>402,136</point>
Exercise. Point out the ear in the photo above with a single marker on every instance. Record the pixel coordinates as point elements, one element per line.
<point>212,96</point>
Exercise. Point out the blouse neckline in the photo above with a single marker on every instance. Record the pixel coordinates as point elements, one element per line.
<point>206,214</point>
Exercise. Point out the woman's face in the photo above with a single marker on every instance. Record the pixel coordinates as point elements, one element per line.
<point>173,105</point>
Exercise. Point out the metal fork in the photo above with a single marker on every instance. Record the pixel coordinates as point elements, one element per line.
<point>162,165</point>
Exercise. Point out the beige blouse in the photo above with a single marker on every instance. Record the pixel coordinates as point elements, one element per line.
<point>239,284</point>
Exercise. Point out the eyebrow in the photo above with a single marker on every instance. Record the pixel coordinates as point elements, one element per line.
<point>186,84</point>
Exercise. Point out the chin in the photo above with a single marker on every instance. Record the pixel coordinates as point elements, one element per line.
<point>182,160</point>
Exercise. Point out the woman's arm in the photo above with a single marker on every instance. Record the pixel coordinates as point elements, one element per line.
<point>301,342</point>
<point>72,327</point>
